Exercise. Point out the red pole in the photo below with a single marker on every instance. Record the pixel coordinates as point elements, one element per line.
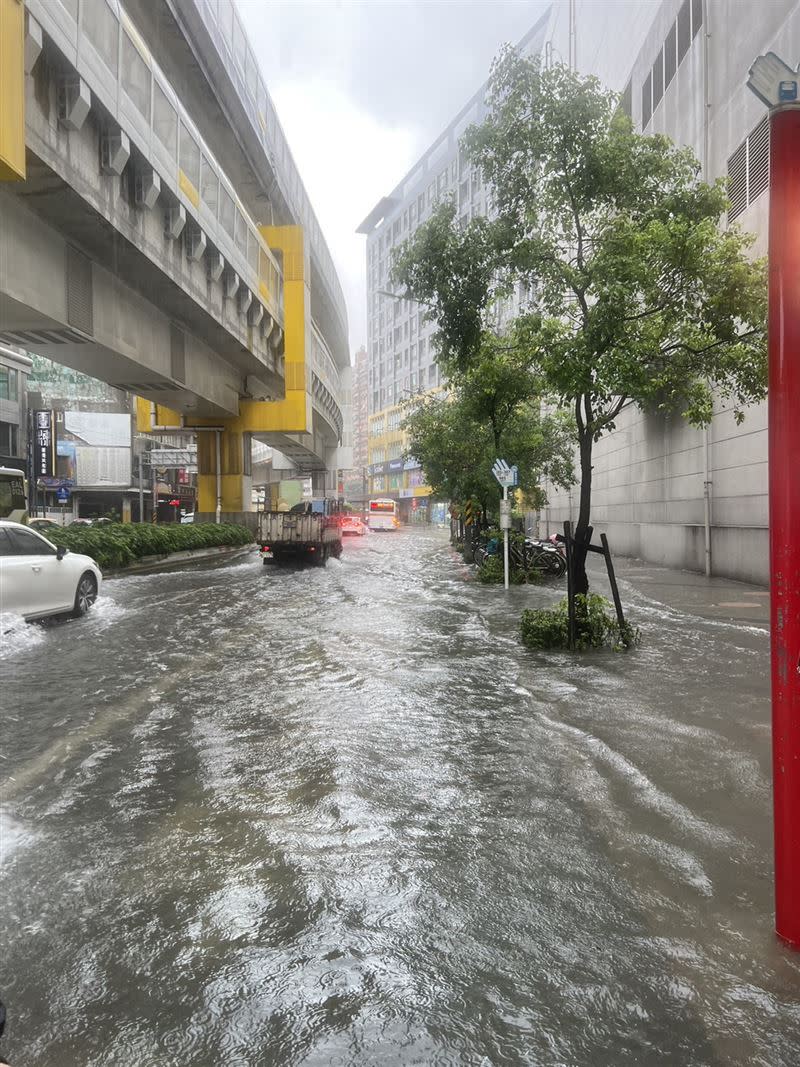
<point>784,509</point>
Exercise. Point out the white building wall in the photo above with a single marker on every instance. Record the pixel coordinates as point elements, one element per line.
<point>650,475</point>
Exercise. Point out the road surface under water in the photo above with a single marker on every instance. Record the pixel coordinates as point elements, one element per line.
<point>260,816</point>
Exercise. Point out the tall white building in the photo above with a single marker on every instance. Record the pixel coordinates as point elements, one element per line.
<point>662,490</point>
<point>401,355</point>
<point>601,39</point>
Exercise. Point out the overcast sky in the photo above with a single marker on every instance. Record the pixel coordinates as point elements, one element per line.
<point>362,87</point>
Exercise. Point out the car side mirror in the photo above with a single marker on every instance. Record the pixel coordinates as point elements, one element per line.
<point>60,552</point>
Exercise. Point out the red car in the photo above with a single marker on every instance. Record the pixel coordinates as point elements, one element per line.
<point>353,526</point>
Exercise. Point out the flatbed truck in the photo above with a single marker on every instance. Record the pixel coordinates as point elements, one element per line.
<point>307,533</point>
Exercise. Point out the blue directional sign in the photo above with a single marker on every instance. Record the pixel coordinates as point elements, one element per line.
<point>62,495</point>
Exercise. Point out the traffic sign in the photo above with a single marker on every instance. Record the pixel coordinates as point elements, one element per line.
<point>505,475</point>
<point>62,495</point>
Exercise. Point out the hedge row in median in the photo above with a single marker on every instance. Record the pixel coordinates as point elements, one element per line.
<point>124,543</point>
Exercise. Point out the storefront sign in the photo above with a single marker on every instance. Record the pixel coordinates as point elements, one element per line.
<point>44,445</point>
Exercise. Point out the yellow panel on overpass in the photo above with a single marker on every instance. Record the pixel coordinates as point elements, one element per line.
<point>12,90</point>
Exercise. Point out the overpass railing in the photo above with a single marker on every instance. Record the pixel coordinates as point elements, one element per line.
<point>104,47</point>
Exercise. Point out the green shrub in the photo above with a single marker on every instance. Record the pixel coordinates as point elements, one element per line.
<point>595,626</point>
<point>118,545</point>
<point>492,572</point>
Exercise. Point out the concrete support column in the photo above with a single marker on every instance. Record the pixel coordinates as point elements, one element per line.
<point>235,486</point>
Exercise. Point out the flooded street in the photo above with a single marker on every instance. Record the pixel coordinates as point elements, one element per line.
<point>258,816</point>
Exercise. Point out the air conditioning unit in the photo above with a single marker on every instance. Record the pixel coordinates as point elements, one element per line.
<point>245,300</point>
<point>195,243</point>
<point>255,314</point>
<point>147,188</point>
<point>267,326</point>
<point>115,150</point>
<point>215,265</point>
<point>174,221</point>
<point>230,283</point>
<point>74,101</point>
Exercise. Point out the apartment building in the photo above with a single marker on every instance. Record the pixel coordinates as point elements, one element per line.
<point>400,350</point>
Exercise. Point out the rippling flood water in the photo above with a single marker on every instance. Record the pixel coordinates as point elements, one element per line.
<point>258,816</point>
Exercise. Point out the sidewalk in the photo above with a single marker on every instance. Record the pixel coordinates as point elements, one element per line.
<point>709,598</point>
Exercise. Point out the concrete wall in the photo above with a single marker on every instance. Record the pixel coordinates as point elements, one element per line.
<point>130,342</point>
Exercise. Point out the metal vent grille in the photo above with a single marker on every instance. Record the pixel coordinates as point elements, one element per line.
<point>748,169</point>
<point>38,338</point>
<point>758,160</point>
<point>177,353</point>
<point>79,291</point>
<point>737,181</point>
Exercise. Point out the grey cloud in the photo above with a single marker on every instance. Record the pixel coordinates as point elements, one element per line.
<point>412,63</point>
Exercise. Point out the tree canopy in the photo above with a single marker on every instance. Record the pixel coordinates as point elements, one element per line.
<point>637,295</point>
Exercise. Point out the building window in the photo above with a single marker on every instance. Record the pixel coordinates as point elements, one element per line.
<point>241,233</point>
<point>209,186</point>
<point>9,389</point>
<point>101,27</point>
<point>8,438</point>
<point>684,31</point>
<point>135,77</point>
<point>647,100</point>
<point>626,100</point>
<point>165,121</point>
<point>190,157</point>
<point>670,56</point>
<point>658,79</point>
<point>697,16</point>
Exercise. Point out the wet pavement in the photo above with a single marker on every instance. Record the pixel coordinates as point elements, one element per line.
<point>258,816</point>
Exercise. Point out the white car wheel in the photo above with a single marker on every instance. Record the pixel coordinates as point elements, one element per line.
<point>85,595</point>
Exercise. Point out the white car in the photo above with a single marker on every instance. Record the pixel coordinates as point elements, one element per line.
<point>38,579</point>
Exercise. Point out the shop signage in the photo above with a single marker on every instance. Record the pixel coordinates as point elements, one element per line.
<point>44,445</point>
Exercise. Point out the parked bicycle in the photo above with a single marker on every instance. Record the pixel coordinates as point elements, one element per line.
<point>532,557</point>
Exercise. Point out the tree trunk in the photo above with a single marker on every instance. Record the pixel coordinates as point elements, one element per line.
<point>580,551</point>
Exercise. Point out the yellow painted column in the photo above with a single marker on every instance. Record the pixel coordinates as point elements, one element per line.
<point>12,90</point>
<point>235,486</point>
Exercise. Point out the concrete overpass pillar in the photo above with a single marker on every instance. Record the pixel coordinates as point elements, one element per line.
<point>225,453</point>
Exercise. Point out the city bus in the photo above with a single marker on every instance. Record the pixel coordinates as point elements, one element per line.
<point>13,494</point>
<point>383,515</point>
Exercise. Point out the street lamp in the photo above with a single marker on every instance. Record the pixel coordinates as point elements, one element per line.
<point>775,83</point>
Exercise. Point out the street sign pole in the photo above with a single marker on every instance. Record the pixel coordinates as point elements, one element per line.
<point>506,476</point>
<point>776,85</point>
<point>505,538</point>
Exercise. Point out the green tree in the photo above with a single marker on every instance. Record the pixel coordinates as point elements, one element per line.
<point>638,296</point>
<point>493,409</point>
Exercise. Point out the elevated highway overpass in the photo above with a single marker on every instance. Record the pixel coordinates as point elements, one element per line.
<point>155,232</point>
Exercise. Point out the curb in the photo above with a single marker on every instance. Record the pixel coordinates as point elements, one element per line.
<point>151,564</point>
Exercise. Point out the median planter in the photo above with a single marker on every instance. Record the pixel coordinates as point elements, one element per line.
<point>118,546</point>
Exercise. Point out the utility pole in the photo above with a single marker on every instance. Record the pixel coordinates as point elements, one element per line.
<point>777,85</point>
